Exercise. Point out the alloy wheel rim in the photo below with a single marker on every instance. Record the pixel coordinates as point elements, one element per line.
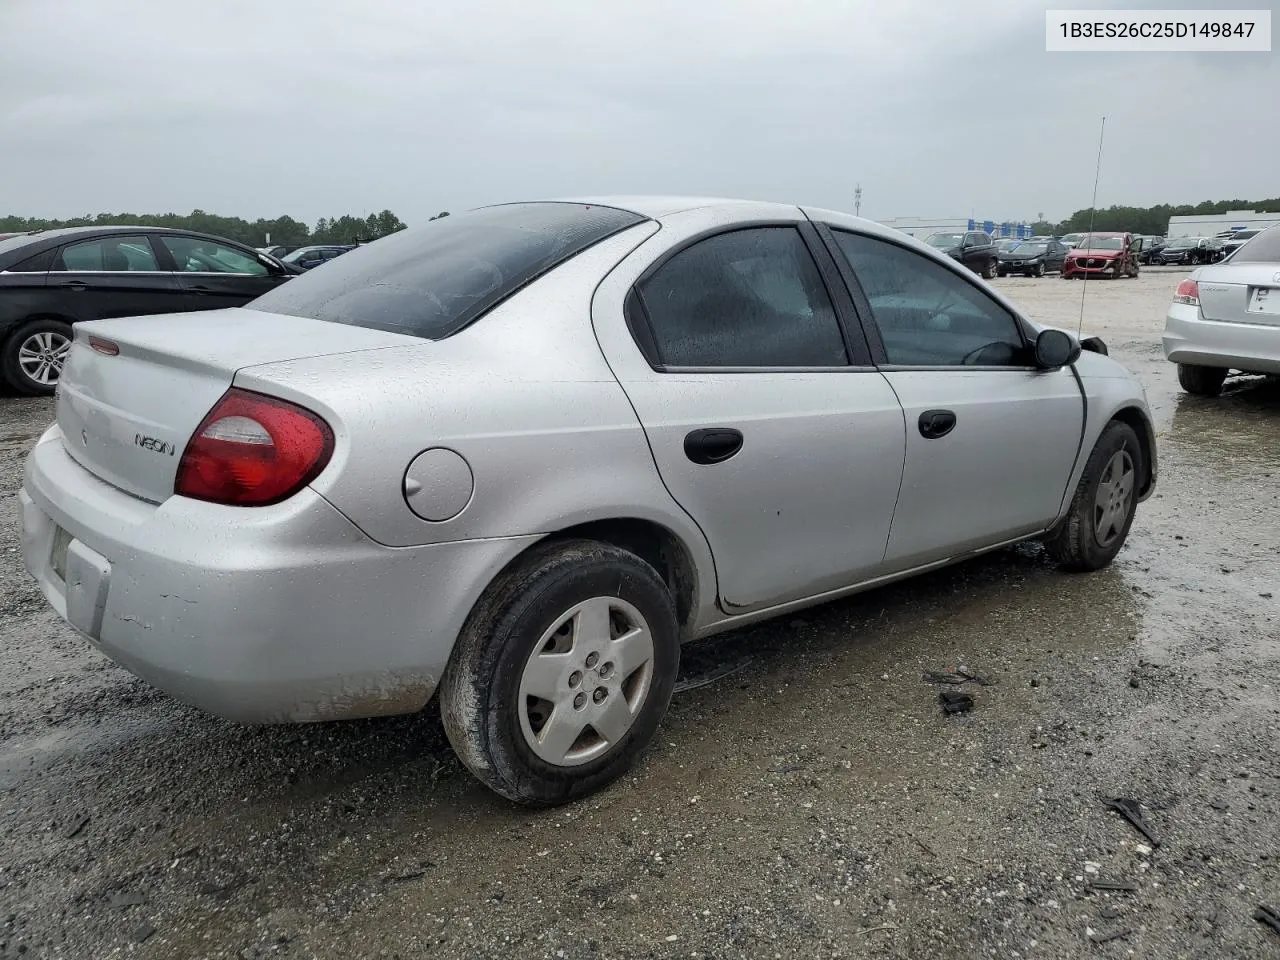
<point>1113,498</point>
<point>586,681</point>
<point>41,356</point>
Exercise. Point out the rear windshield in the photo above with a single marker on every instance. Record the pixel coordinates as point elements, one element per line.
<point>1264,248</point>
<point>433,280</point>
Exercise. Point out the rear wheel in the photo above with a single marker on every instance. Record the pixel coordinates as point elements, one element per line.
<point>1202,381</point>
<point>1104,504</point>
<point>989,272</point>
<point>563,672</point>
<point>31,358</point>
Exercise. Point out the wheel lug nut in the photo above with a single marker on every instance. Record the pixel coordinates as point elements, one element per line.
<point>575,678</point>
<point>592,659</point>
<point>600,694</point>
<point>606,668</point>
<point>579,701</point>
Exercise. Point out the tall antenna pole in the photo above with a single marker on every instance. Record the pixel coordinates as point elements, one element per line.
<point>1093,211</point>
<point>857,200</point>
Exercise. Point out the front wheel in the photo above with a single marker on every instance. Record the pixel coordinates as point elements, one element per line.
<point>990,271</point>
<point>562,673</point>
<point>1202,381</point>
<point>1106,499</point>
<point>1039,269</point>
<point>31,358</point>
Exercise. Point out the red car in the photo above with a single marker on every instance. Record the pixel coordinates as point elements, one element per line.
<point>1109,255</point>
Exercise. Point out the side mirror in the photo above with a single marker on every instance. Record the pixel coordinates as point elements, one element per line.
<point>1055,348</point>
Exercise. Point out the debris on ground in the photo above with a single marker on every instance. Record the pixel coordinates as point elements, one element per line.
<point>1115,886</point>
<point>1131,810</point>
<point>143,933</point>
<point>956,677</point>
<point>1113,935</point>
<point>1268,915</point>
<point>953,701</point>
<point>697,679</point>
<point>78,826</point>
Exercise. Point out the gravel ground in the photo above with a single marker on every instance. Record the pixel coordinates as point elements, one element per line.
<point>815,803</point>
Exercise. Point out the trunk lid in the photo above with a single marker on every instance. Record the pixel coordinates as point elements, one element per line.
<point>1241,293</point>
<point>126,417</point>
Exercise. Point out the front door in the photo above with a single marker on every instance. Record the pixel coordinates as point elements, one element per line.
<point>216,275</point>
<point>990,439</point>
<point>785,453</point>
<point>115,276</point>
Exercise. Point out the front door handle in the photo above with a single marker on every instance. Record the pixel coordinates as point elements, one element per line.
<point>712,444</point>
<point>936,423</point>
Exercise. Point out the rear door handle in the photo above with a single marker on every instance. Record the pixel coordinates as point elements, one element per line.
<point>712,444</point>
<point>936,423</point>
<point>74,284</point>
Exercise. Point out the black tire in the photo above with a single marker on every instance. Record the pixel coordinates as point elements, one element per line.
<point>480,691</point>
<point>12,372</point>
<point>1002,273</point>
<point>1039,269</point>
<point>1075,544</point>
<point>989,271</point>
<point>1202,381</point>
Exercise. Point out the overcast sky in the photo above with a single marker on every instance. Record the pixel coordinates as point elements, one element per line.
<point>264,107</point>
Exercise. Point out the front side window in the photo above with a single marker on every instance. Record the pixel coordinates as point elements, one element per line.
<point>749,298</point>
<point>928,315</point>
<point>196,255</point>
<point>111,254</point>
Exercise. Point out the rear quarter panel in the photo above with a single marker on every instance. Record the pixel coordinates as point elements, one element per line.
<point>523,395</point>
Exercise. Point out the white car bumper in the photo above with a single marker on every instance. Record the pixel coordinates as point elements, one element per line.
<point>270,614</point>
<point>1189,338</point>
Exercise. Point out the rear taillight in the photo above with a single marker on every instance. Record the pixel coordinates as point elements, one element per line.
<point>253,450</point>
<point>1188,292</point>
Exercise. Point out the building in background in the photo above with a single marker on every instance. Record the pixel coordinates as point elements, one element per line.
<point>1209,225</point>
<point>923,226</point>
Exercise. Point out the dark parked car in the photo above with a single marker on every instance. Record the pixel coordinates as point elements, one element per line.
<point>1150,247</point>
<point>1034,258</point>
<point>1190,250</point>
<point>975,249</point>
<point>1237,240</point>
<point>52,279</point>
<point>310,257</point>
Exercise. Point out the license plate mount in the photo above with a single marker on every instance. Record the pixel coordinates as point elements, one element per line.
<point>1265,300</point>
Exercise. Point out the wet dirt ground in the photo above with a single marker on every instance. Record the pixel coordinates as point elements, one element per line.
<point>815,803</point>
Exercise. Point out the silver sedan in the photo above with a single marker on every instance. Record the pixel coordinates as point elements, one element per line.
<point>517,457</point>
<point>1226,316</point>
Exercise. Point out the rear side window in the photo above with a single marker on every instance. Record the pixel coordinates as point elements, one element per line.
<point>40,263</point>
<point>433,280</point>
<point>750,298</point>
<point>111,254</point>
<point>1264,248</point>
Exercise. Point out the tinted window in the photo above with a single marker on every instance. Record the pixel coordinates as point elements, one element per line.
<point>927,314</point>
<point>431,281</point>
<point>1264,248</point>
<point>196,255</point>
<point>750,298</point>
<point>109,253</point>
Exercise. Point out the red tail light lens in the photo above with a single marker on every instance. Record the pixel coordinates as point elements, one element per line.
<point>1188,292</point>
<point>253,450</point>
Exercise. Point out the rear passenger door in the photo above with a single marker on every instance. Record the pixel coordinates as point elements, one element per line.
<point>112,276</point>
<point>991,439</point>
<point>766,421</point>
<point>215,275</point>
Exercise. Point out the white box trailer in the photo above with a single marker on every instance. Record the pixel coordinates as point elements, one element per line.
<point>1210,225</point>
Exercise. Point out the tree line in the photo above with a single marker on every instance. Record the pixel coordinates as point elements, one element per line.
<point>1152,221</point>
<point>284,231</point>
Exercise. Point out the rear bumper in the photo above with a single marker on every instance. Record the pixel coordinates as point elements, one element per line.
<point>272,614</point>
<point>1189,338</point>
